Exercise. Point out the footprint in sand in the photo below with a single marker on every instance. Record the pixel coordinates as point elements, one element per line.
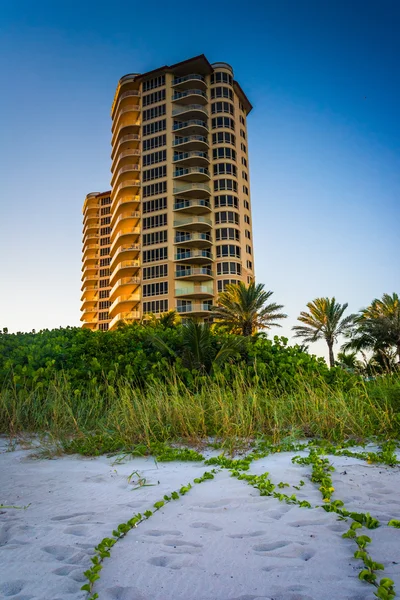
<point>250,534</point>
<point>271,546</point>
<point>66,554</point>
<point>12,588</point>
<point>169,562</point>
<point>207,526</point>
<point>78,530</point>
<point>161,532</point>
<point>71,516</point>
<point>123,593</point>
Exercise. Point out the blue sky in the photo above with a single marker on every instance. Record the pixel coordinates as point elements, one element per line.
<point>324,138</point>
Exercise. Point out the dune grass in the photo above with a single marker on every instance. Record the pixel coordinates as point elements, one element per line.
<point>113,418</point>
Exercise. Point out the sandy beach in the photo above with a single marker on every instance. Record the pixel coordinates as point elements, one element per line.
<point>221,541</point>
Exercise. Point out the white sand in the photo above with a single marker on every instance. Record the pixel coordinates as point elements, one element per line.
<point>221,541</point>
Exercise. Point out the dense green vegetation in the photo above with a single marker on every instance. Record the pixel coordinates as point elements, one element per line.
<point>160,380</point>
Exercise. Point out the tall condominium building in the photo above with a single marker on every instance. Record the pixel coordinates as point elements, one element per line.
<point>176,227</point>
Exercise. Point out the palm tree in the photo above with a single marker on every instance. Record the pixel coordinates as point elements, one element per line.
<point>324,321</point>
<point>198,348</point>
<point>377,328</point>
<point>242,309</point>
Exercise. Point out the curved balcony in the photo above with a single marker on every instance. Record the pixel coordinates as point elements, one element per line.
<point>89,270</point>
<point>197,309</point>
<point>133,139</point>
<point>124,317</point>
<point>92,289</point>
<point>89,248</point>
<point>124,302</point>
<point>190,96</point>
<point>191,142</point>
<point>190,127</point>
<point>87,312</point>
<point>192,174</point>
<point>192,189</point>
<point>191,158</point>
<point>129,109</point>
<point>124,237</point>
<point>191,111</point>
<point>128,126</point>
<point>90,236</point>
<point>222,65</point>
<point>130,168</point>
<point>124,219</point>
<point>188,81</point>
<point>89,258</point>
<point>121,99</point>
<point>87,303</point>
<point>194,256</point>
<point>124,269</point>
<point>124,287</point>
<point>193,223</point>
<point>198,291</point>
<point>196,206</point>
<point>128,187</point>
<point>126,156</point>
<point>89,226</point>
<point>125,253</point>
<point>125,204</point>
<point>200,240</point>
<point>89,280</point>
<point>90,215</point>
<point>195,274</point>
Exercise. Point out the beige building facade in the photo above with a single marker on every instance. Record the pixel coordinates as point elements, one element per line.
<point>176,227</point>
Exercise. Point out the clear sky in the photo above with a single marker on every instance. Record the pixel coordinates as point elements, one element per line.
<point>324,138</point>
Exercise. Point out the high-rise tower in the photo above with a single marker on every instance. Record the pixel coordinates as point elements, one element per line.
<point>178,228</point>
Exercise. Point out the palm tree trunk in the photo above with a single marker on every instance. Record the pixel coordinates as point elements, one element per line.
<point>247,328</point>
<point>331,355</point>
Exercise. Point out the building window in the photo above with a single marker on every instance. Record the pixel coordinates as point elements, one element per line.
<point>154,205</point>
<point>104,242</point>
<point>245,190</point>
<point>155,289</point>
<point>248,249</point>
<point>104,283</point>
<point>153,113</point>
<point>105,231</point>
<point>247,234</point>
<point>221,92</point>
<point>249,264</point>
<point>156,237</point>
<point>226,216</point>
<point>227,233</point>
<point>246,204</point>
<point>247,219</point>
<point>244,175</point>
<point>156,306</point>
<point>222,283</point>
<point>219,153</point>
<point>223,137</point>
<point>228,250</point>
<point>218,122</point>
<point>242,134</point>
<point>154,157</point>
<point>105,221</point>
<point>155,189</point>
<point>226,200</point>
<point>242,120</point>
<point>155,272</point>
<point>105,201</point>
<point>222,107</point>
<point>104,273</point>
<point>155,255</point>
<point>155,142</point>
<point>104,251</point>
<point>104,293</point>
<point>225,184</point>
<point>103,326</point>
<point>229,268</point>
<point>104,262</point>
<point>156,173</point>
<point>105,211</point>
<point>155,221</point>
<point>220,77</point>
<point>244,161</point>
<point>104,304</point>
<point>156,82</point>
<point>225,169</point>
<point>155,127</point>
<point>153,98</point>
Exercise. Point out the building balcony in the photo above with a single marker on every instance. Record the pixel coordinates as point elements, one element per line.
<point>128,125</point>
<point>129,109</point>
<point>200,240</point>
<point>92,324</point>
<point>189,81</point>
<point>124,237</point>
<point>192,174</point>
<point>197,291</point>
<point>191,158</point>
<point>89,280</point>
<point>191,142</point>
<point>124,317</point>
<point>89,270</point>
<point>127,187</point>
<point>196,206</point>
<point>124,303</point>
<point>194,256</point>
<point>121,99</point>
<point>193,190</point>
<point>90,226</point>
<point>125,253</point>
<point>124,269</point>
<point>90,214</point>
<point>90,236</point>
<point>195,274</point>
<point>124,286</point>
<point>190,127</point>
<point>87,312</point>
<point>88,303</point>
<point>191,111</point>
<point>89,248</point>
<point>130,168</point>
<point>190,96</point>
<point>128,156</point>
<point>89,258</point>
<point>124,205</point>
<point>194,223</point>
<point>124,220</point>
<point>194,309</point>
<point>133,139</point>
